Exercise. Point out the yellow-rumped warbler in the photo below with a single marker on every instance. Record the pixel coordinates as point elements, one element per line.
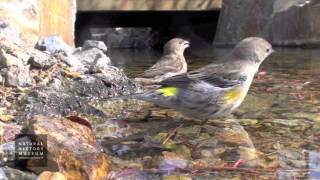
<point>171,63</point>
<point>216,89</point>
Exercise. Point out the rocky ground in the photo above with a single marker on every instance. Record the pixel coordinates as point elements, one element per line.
<point>55,81</point>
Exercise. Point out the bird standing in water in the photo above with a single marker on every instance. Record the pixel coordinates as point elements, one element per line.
<point>214,90</point>
<point>171,63</point>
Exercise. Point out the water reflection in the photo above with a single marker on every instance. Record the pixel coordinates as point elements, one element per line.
<point>275,134</point>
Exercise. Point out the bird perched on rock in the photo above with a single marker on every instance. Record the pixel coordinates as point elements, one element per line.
<point>171,63</point>
<point>216,89</point>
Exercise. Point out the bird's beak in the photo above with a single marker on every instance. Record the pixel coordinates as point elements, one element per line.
<point>272,51</point>
<point>186,43</point>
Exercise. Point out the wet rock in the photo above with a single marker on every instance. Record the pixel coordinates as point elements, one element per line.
<point>93,58</point>
<point>274,20</point>
<point>183,151</point>
<point>292,123</point>
<point>235,134</point>
<point>41,60</point>
<point>47,175</point>
<point>17,76</point>
<point>97,44</point>
<point>248,122</point>
<point>125,109</point>
<point>303,115</point>
<point>189,132</point>
<point>112,129</point>
<point>78,155</point>
<point>12,173</point>
<point>52,44</point>
<point>176,177</point>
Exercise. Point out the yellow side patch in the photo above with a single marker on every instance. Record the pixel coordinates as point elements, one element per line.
<point>169,91</point>
<point>233,95</point>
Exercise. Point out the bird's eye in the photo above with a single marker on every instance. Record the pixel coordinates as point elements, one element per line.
<point>180,42</point>
<point>268,50</point>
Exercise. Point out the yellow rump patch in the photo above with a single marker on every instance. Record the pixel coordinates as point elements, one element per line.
<point>233,95</point>
<point>169,91</point>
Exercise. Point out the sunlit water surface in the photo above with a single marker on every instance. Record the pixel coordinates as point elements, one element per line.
<point>275,134</point>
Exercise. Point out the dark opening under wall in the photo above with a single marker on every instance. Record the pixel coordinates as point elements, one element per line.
<point>197,26</point>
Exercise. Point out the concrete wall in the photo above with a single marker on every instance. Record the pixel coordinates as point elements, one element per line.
<point>27,20</point>
<point>125,5</point>
<point>282,22</point>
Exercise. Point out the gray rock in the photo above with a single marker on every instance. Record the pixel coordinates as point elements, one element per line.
<point>93,43</point>
<point>17,76</point>
<point>93,58</point>
<point>52,44</point>
<point>278,21</point>
<point>41,60</point>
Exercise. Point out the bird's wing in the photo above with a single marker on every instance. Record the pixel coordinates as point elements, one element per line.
<point>166,64</point>
<point>216,75</point>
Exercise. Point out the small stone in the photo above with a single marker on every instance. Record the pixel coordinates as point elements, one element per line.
<point>248,122</point>
<point>92,43</point>
<point>191,131</point>
<point>18,76</point>
<point>41,60</point>
<point>52,44</point>
<point>47,175</point>
<point>176,177</point>
<point>183,151</point>
<point>248,154</point>
<point>206,153</point>
<point>235,135</point>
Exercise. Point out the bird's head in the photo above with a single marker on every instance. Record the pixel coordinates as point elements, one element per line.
<point>176,45</point>
<point>254,49</point>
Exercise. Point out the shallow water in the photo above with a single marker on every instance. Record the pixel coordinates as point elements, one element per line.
<point>275,134</point>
